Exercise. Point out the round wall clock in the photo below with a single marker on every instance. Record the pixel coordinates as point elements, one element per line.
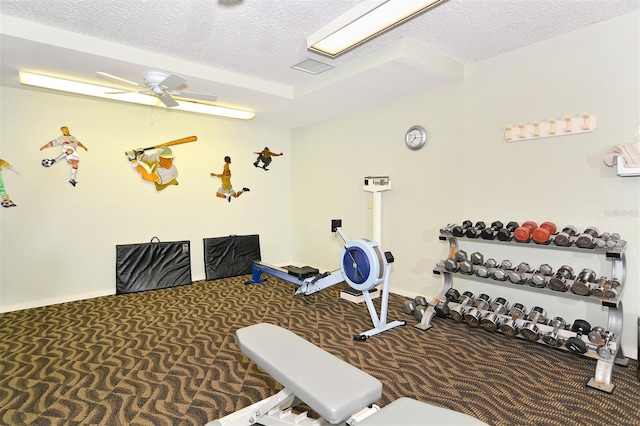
<point>416,137</point>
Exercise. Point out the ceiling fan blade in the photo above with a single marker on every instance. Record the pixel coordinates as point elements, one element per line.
<point>167,100</point>
<point>173,81</point>
<point>192,95</point>
<point>118,79</point>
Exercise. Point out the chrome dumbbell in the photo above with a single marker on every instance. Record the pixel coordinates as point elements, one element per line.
<point>492,320</point>
<point>477,258</point>
<point>483,271</point>
<point>530,330</point>
<point>457,312</point>
<point>583,284</point>
<point>510,327</point>
<point>539,278</point>
<point>474,314</point>
<point>516,276</point>
<point>604,348</point>
<point>420,303</point>
<point>559,281</point>
<point>552,338</point>
<point>563,239</point>
<point>606,288</point>
<point>588,237</point>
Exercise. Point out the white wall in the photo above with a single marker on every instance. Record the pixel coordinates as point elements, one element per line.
<point>467,170</point>
<point>58,244</point>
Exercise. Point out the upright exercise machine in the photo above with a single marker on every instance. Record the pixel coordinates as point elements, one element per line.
<point>364,266</point>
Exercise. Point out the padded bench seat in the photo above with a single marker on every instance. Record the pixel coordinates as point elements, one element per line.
<point>409,412</point>
<point>334,388</point>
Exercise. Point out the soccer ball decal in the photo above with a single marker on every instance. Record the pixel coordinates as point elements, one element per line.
<point>47,162</point>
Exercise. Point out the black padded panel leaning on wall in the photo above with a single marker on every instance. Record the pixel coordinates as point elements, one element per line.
<point>230,256</point>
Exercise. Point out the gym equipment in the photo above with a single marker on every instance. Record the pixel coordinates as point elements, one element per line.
<point>230,256</point>
<point>466,267</point>
<point>482,271</point>
<point>492,320</point>
<point>582,285</point>
<point>499,275</point>
<point>451,265</point>
<point>595,335</point>
<point>537,280</point>
<point>473,316</point>
<point>604,291</point>
<point>364,266</point>
<point>420,306</point>
<point>607,240</point>
<point>576,344</point>
<point>510,327</point>
<point>491,263</point>
<point>341,394</point>
<point>542,233</point>
<point>459,230</point>
<point>506,233</point>
<point>588,237</point>
<point>442,306</point>
<point>474,232</point>
<point>522,233</point>
<point>477,258</point>
<point>546,270</point>
<point>308,279</point>
<point>418,313</point>
<point>491,232</point>
<point>460,256</point>
<point>559,281</point>
<point>408,307</point>
<point>457,312</point>
<point>552,338</point>
<point>606,288</point>
<point>152,266</point>
<point>530,330</point>
<point>563,239</point>
<point>604,349</point>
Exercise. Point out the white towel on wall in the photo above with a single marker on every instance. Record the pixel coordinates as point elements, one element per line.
<point>630,153</point>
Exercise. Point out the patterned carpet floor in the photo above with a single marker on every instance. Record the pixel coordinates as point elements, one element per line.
<point>169,357</point>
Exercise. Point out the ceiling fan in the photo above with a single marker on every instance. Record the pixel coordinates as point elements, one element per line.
<point>163,86</point>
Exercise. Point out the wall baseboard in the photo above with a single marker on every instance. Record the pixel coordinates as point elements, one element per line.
<point>54,301</point>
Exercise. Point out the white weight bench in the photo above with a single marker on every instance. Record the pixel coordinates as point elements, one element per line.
<point>339,392</point>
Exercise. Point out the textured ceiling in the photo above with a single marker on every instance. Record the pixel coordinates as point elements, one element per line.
<point>243,50</point>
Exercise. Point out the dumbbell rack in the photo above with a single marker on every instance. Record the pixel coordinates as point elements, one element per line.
<point>604,366</point>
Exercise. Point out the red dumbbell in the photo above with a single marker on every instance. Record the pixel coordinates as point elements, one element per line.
<point>523,232</point>
<point>542,234</point>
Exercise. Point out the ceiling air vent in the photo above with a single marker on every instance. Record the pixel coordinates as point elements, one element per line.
<point>312,66</point>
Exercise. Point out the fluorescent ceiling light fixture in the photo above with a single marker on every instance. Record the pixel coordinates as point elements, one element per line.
<point>363,22</point>
<point>70,86</point>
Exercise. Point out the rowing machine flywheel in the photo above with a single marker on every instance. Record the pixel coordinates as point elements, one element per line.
<point>362,264</point>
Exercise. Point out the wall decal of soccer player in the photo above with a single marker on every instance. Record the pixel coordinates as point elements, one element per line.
<point>69,146</point>
<point>6,201</point>
<point>226,189</point>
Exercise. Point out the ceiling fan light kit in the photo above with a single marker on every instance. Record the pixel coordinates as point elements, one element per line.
<point>363,22</point>
<point>148,95</point>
